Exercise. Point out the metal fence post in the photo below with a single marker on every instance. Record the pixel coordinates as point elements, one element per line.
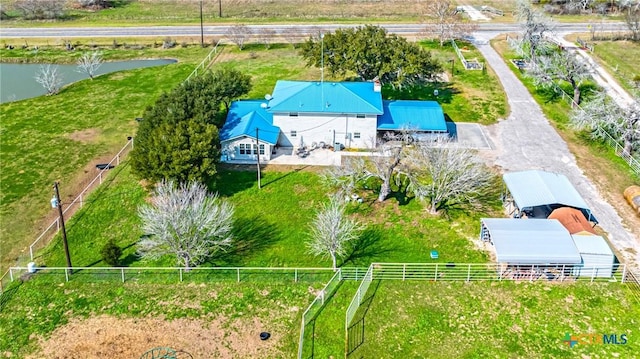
<point>435,274</point>
<point>180,274</point>
<point>122,272</point>
<point>356,273</point>
<point>562,277</point>
<point>238,269</point>
<point>624,272</point>
<point>404,270</point>
<point>593,273</point>
<point>66,274</point>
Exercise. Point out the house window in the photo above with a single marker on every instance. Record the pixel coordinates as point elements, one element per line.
<point>255,149</point>
<point>293,114</point>
<point>360,115</point>
<point>294,133</point>
<point>262,149</point>
<point>356,135</point>
<point>242,149</point>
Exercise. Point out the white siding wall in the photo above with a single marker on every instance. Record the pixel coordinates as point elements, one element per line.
<point>594,265</point>
<point>231,150</point>
<point>320,128</point>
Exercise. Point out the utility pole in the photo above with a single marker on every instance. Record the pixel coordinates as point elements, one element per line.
<point>201,27</point>
<point>219,8</point>
<point>56,203</point>
<point>258,144</point>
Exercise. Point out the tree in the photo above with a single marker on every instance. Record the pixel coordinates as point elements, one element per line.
<point>111,253</point>
<point>447,23</point>
<point>331,230</point>
<point>186,221</point>
<point>265,36</point>
<point>445,175</point>
<point>238,34</point>
<point>229,84</point>
<point>370,52</point>
<point>40,9</point>
<point>534,27</point>
<point>383,165</point>
<point>50,78</point>
<point>89,63</point>
<point>100,4</point>
<point>178,137</point>
<point>603,117</point>
<point>564,66</point>
<point>632,19</point>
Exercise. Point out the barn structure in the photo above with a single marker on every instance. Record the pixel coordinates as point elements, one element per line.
<point>536,194</point>
<point>531,248</point>
<point>598,259</point>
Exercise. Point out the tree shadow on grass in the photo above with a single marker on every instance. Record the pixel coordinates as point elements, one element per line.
<point>366,248</point>
<point>251,235</point>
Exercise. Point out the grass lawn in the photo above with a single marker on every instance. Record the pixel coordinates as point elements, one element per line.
<point>499,319</point>
<point>33,310</point>
<point>599,162</point>
<point>619,59</point>
<point>52,130</point>
<point>272,224</point>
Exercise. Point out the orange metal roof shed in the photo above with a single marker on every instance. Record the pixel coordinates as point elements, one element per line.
<point>573,220</point>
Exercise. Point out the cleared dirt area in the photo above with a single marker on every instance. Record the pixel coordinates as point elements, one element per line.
<point>109,337</point>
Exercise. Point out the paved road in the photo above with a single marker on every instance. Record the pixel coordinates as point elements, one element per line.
<point>526,140</point>
<point>220,30</point>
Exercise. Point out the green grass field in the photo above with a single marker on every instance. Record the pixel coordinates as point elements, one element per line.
<point>495,320</point>
<point>618,58</point>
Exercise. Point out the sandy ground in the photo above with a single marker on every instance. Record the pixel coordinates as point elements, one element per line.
<point>109,337</point>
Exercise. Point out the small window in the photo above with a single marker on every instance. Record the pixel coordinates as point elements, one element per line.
<point>360,115</point>
<point>293,114</point>
<point>255,149</point>
<point>242,149</point>
<point>262,149</point>
<point>356,135</point>
<point>294,133</point>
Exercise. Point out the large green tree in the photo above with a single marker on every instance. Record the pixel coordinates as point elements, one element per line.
<point>370,52</point>
<point>178,136</point>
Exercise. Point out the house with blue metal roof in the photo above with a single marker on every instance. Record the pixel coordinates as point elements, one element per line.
<point>300,114</point>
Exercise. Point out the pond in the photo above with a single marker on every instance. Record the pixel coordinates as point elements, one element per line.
<point>17,81</point>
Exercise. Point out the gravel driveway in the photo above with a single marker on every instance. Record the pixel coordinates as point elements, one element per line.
<point>526,140</point>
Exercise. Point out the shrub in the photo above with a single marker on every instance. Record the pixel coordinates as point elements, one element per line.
<point>111,253</point>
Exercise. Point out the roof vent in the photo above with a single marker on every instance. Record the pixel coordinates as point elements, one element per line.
<point>264,105</point>
<point>377,86</point>
<point>268,97</point>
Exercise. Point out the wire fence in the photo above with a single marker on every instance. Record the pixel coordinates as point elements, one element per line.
<point>204,64</point>
<point>468,65</point>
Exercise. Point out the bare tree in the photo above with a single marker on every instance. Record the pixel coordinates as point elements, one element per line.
<point>632,19</point>
<point>266,36</point>
<point>40,9</point>
<point>534,27</point>
<point>238,34</point>
<point>383,165</point>
<point>101,4</point>
<point>447,22</point>
<point>331,230</point>
<point>89,63</point>
<point>563,66</point>
<point>604,117</point>
<point>185,221</point>
<point>50,78</point>
<point>293,35</point>
<point>445,175</point>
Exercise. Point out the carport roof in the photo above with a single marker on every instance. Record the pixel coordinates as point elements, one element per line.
<point>412,115</point>
<point>538,188</point>
<point>531,241</point>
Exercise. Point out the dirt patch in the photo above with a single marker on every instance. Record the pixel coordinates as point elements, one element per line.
<point>85,136</point>
<point>109,337</point>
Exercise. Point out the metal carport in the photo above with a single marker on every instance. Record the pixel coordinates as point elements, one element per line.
<point>537,193</point>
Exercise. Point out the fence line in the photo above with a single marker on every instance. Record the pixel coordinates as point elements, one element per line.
<point>115,161</point>
<point>468,65</point>
<point>206,61</point>
<point>309,315</point>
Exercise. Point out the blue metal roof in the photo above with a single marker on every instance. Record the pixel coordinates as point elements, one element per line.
<point>538,188</point>
<point>326,97</point>
<point>589,244</point>
<point>531,241</point>
<point>412,115</point>
<point>243,119</point>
